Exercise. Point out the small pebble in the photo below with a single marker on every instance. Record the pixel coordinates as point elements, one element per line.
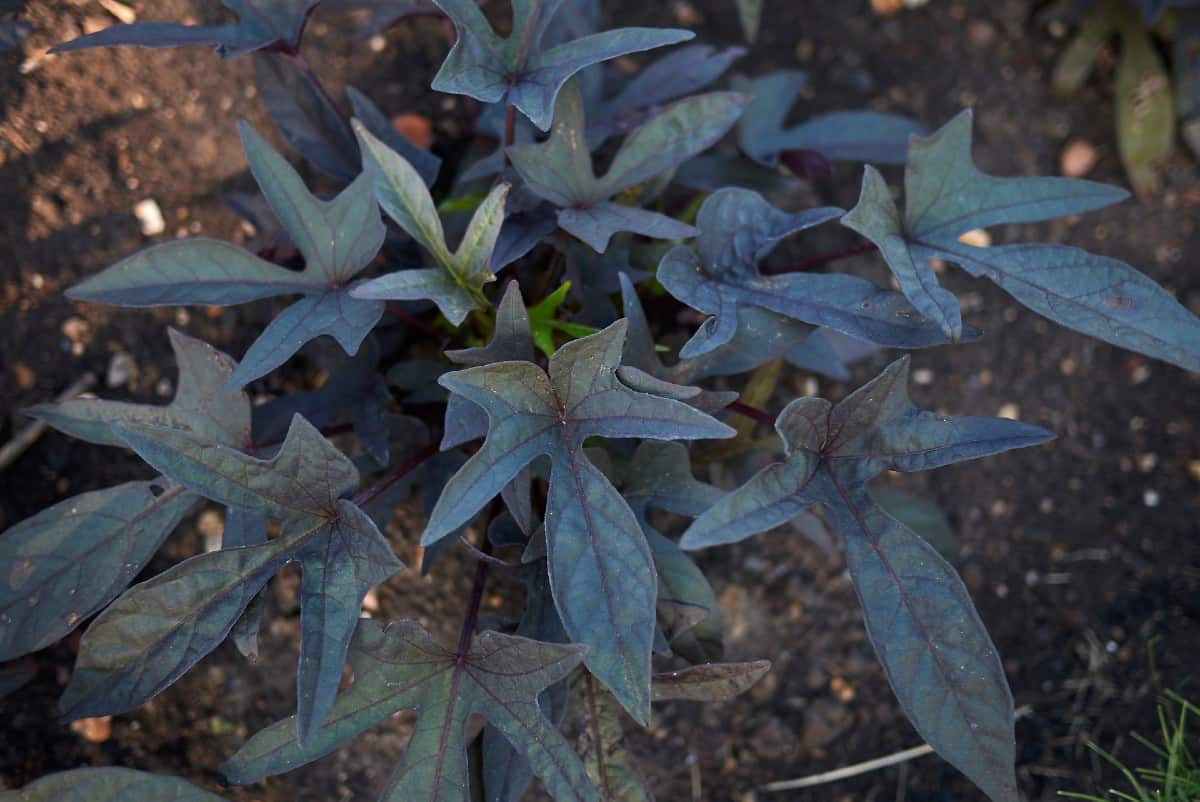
<point>1150,498</point>
<point>150,217</point>
<point>1146,462</point>
<point>1194,469</point>
<point>377,43</point>
<point>923,376</point>
<point>1077,159</point>
<point>1010,411</point>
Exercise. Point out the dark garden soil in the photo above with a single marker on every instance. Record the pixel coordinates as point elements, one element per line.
<point>1083,556</point>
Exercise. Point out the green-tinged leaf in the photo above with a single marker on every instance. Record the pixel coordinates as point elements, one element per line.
<point>1079,56</point>
<point>750,15</point>
<point>946,196</point>
<point>69,561</point>
<point>456,285</point>
<point>602,744</point>
<point>156,631</point>
<point>401,667</point>
<point>338,239</point>
<point>561,171</point>
<point>1145,111</point>
<point>260,24</point>
<point>739,227</point>
<point>600,566</point>
<point>203,403</point>
<point>374,120</point>
<point>713,682</point>
<point>520,70</point>
<point>938,656</point>
<point>304,479</point>
<point>108,785</point>
<point>544,323</point>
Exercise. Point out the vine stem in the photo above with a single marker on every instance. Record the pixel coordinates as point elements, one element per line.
<point>594,724</point>
<point>510,130</point>
<point>753,413</point>
<point>822,259</point>
<point>467,632</point>
<point>384,483</point>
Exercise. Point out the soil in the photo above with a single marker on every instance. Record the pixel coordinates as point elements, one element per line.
<point>1083,556</point>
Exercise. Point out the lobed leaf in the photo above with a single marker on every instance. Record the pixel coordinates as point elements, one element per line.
<point>938,656</point>
<point>561,171</point>
<point>401,667</point>
<point>156,631</point>
<point>948,196</point>
<point>203,403</point>
<point>338,239</point>
<point>519,70</point>
<point>600,566</point>
<point>739,227</point>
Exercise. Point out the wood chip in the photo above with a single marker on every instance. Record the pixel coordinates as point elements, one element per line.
<point>119,10</point>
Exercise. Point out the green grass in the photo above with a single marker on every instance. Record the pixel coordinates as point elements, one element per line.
<point>1176,774</point>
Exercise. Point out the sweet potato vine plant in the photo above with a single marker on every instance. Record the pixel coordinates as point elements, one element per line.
<point>550,430</point>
